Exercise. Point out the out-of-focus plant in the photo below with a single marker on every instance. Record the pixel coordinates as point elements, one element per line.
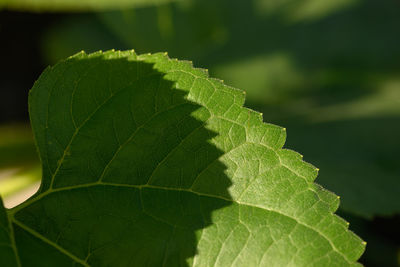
<point>75,5</point>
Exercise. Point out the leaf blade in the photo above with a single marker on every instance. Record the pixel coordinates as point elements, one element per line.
<point>166,157</point>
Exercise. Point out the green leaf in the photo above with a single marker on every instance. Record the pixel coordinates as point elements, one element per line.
<point>149,162</point>
<point>75,5</point>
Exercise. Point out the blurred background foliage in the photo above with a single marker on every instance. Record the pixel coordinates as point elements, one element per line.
<point>328,71</point>
<point>75,5</point>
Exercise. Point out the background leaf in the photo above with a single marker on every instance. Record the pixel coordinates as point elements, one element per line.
<point>147,161</point>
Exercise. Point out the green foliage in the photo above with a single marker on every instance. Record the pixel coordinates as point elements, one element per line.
<point>149,162</point>
<point>74,5</point>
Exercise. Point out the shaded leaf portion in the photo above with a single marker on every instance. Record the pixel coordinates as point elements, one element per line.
<point>7,248</point>
<point>74,5</point>
<point>148,161</point>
